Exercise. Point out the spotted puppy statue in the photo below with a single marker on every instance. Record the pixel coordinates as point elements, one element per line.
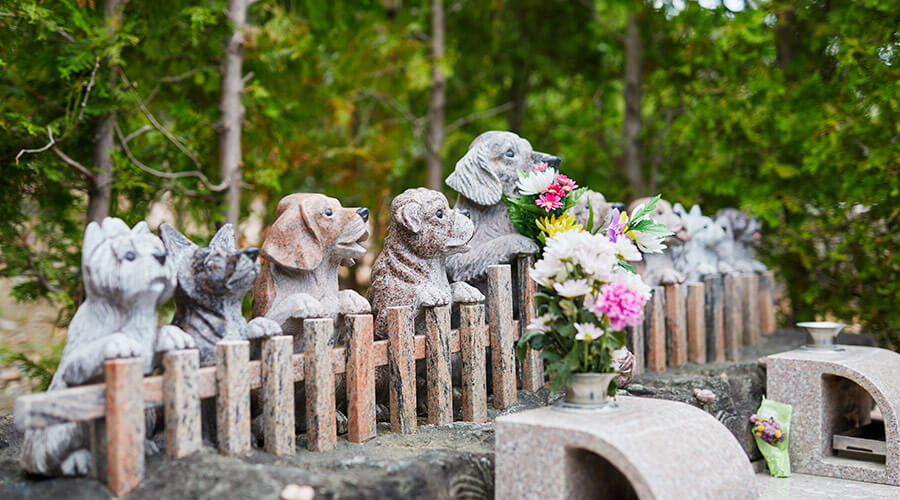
<point>422,233</point>
<point>127,275</point>
<point>212,283</point>
<point>313,235</point>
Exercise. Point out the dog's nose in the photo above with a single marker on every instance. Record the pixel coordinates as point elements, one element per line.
<point>161,257</point>
<point>465,212</point>
<point>552,161</point>
<point>364,213</point>
<point>251,253</point>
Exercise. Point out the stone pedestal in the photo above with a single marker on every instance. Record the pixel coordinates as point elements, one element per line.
<point>832,392</point>
<point>645,448</point>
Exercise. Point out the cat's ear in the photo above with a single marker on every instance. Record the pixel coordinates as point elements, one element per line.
<point>177,244</point>
<point>224,239</point>
<point>695,211</point>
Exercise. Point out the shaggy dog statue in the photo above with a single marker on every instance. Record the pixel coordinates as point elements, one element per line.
<point>126,277</point>
<point>697,257</point>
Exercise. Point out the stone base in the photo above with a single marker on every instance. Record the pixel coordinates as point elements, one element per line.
<point>832,392</point>
<point>645,448</point>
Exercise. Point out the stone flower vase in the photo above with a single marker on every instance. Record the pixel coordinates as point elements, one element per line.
<point>588,391</point>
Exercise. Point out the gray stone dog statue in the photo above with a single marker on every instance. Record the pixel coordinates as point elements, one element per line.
<point>126,277</point>
<point>410,270</point>
<point>697,257</point>
<point>312,236</point>
<point>599,206</point>
<point>659,268</point>
<point>743,232</point>
<point>481,177</point>
<point>212,283</point>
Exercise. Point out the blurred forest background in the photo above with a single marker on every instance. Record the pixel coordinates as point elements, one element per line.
<point>202,112</point>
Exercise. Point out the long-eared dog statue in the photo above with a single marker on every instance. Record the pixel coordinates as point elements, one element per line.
<point>127,275</point>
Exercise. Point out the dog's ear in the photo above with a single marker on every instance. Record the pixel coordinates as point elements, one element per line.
<point>140,228</point>
<point>224,239</point>
<point>113,226</point>
<point>176,243</point>
<point>695,211</point>
<point>291,241</point>
<point>473,177</point>
<point>93,236</point>
<point>409,215</point>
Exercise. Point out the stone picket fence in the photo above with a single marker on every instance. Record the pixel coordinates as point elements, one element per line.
<point>114,410</point>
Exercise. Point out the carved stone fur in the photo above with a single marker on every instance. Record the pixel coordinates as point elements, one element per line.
<point>126,277</point>
<point>697,257</point>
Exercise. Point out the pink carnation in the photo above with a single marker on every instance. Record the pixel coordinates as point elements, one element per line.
<point>548,201</point>
<point>622,305</point>
<point>565,183</point>
<point>541,167</point>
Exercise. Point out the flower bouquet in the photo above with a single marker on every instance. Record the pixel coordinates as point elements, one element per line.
<point>544,197</point>
<point>771,428</point>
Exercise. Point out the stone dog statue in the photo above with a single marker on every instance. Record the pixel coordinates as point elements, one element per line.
<point>697,257</point>
<point>743,232</point>
<point>126,277</point>
<point>410,270</point>
<point>481,177</point>
<point>659,268</point>
<point>212,283</point>
<point>312,236</point>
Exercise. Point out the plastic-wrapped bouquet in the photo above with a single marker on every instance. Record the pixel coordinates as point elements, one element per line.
<point>767,429</point>
<point>772,431</point>
<point>586,300</point>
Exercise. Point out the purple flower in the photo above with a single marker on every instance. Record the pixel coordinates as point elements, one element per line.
<point>617,225</point>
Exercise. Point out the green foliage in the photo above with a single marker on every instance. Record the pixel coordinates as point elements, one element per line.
<point>41,369</point>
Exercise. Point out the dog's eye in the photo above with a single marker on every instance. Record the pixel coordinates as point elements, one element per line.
<point>328,212</point>
<point>510,153</point>
<point>439,214</point>
<point>130,256</point>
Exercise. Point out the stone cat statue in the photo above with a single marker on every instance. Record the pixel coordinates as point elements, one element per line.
<point>697,257</point>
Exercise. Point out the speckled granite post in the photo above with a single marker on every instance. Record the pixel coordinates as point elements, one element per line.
<point>714,319</point>
<point>181,399</point>
<point>696,323</point>
<point>655,330</point>
<point>472,344</point>
<point>360,379</point>
<point>767,302</point>
<point>437,365</point>
<point>125,424</point>
<point>818,385</point>
<point>233,397</point>
<point>750,308</point>
<point>402,364</point>
<point>533,366</point>
<point>733,320</point>
<point>321,428</point>
<point>634,339</point>
<point>278,395</point>
<point>676,326</point>
<point>503,356</point>
<point>658,449</point>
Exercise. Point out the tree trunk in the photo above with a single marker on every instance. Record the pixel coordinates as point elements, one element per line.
<point>518,96</point>
<point>785,38</point>
<point>438,99</point>
<point>631,154</point>
<point>231,111</point>
<point>100,185</point>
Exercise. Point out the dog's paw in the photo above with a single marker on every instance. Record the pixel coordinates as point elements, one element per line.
<point>150,448</point>
<point>119,345</point>
<point>353,303</point>
<point>758,266</point>
<point>262,327</point>
<point>704,269</point>
<point>78,463</point>
<point>303,305</point>
<point>430,296</point>
<point>342,423</point>
<point>465,293</point>
<point>669,276</point>
<point>172,338</point>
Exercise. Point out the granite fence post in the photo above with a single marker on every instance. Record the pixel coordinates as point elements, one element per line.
<point>533,366</point>
<point>655,330</point>
<point>361,379</point>
<point>676,326</point>
<point>733,321</point>
<point>767,302</point>
<point>472,345</point>
<point>437,365</point>
<point>321,428</point>
<point>233,396</point>
<point>503,356</point>
<point>181,401</point>
<point>402,363</point>
<point>125,424</point>
<point>714,320</point>
<point>278,395</point>
<point>750,308</point>
<point>634,339</point>
<point>696,323</point>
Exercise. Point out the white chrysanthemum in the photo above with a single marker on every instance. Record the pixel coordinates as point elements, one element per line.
<point>587,332</point>
<point>649,241</point>
<point>572,288</point>
<point>617,357</point>
<point>541,323</point>
<point>548,271</point>
<point>633,281</point>
<point>535,182</point>
<point>626,250</point>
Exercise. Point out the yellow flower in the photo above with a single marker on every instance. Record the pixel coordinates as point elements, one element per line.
<point>777,434</point>
<point>554,225</point>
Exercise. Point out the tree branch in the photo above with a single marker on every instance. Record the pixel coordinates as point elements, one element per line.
<point>72,163</point>
<point>496,110</point>
<point>90,86</point>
